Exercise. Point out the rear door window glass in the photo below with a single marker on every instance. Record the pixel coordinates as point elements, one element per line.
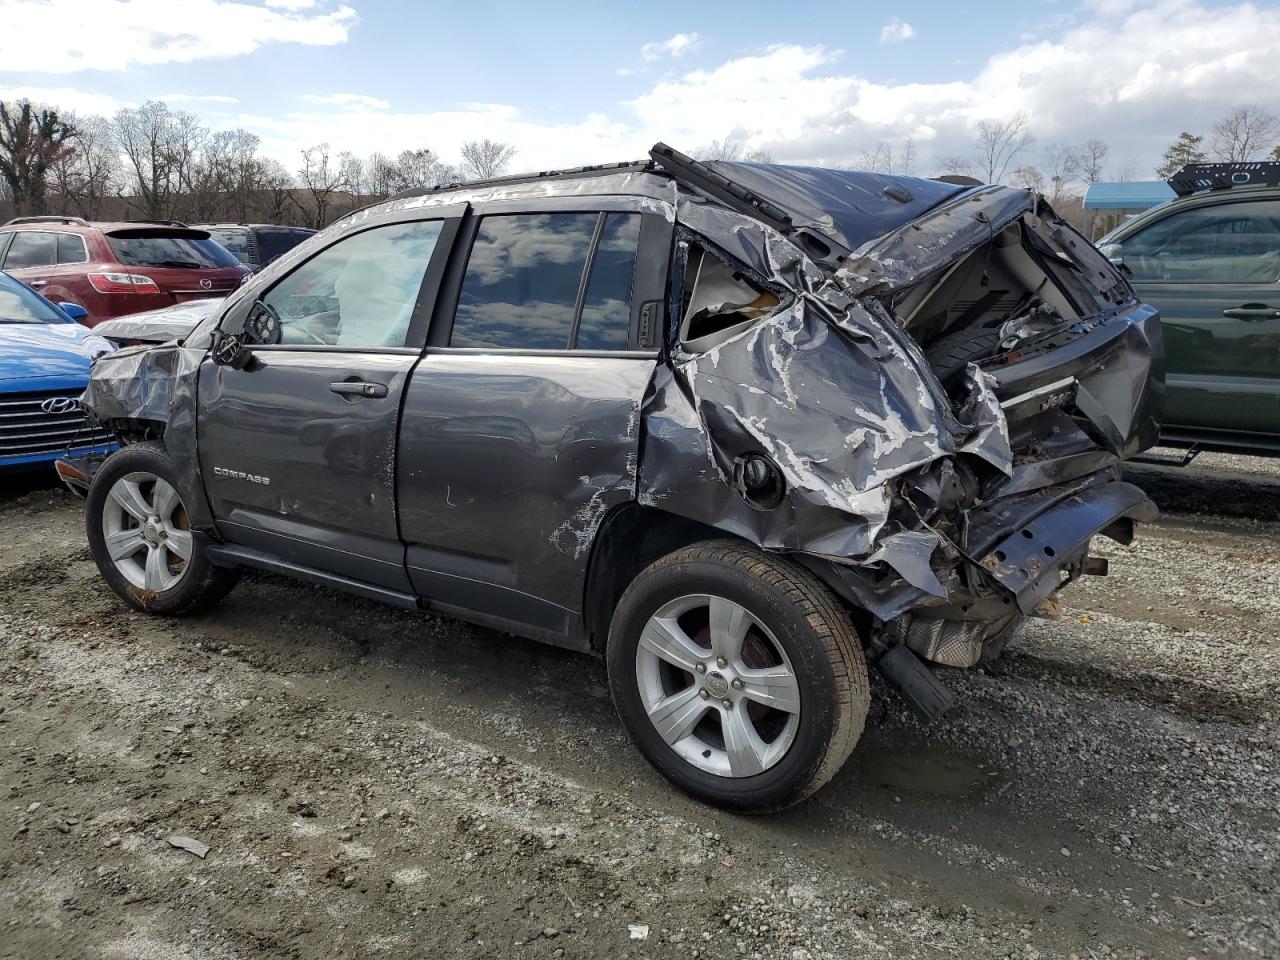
<point>361,292</point>
<point>71,249</point>
<point>31,248</point>
<point>1229,243</point>
<point>606,310</point>
<point>168,248</point>
<point>522,281</point>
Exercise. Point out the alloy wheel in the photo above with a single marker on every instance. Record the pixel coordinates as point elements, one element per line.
<point>717,686</point>
<point>146,531</point>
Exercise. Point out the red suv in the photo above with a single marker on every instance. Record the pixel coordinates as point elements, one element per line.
<point>113,269</point>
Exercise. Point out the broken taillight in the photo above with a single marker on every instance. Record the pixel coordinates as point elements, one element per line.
<point>122,283</point>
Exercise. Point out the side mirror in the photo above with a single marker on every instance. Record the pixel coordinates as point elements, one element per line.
<point>74,311</point>
<point>1113,252</point>
<point>262,325</point>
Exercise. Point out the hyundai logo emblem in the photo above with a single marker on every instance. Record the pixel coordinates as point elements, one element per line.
<point>206,284</point>
<point>60,405</point>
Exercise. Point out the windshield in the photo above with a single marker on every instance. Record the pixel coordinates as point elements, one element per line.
<point>169,248</point>
<point>19,305</point>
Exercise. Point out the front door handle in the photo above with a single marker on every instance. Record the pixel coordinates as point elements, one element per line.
<point>36,283</point>
<point>358,388</point>
<point>1252,312</point>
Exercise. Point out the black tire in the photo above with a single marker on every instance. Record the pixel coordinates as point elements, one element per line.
<point>805,619</point>
<point>200,585</point>
<point>949,356</point>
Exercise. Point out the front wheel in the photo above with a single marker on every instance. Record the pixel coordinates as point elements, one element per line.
<point>141,538</point>
<point>738,675</point>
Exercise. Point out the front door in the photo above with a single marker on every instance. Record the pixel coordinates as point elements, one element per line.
<point>298,447</point>
<point>521,426</point>
<point>1212,271</point>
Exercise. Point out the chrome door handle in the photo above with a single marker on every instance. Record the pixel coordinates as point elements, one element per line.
<point>1252,311</point>
<point>358,388</point>
<point>36,283</point>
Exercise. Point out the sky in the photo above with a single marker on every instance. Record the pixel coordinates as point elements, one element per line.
<point>576,83</point>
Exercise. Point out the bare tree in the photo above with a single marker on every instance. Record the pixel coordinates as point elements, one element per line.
<point>1029,178</point>
<point>726,149</point>
<point>1093,156</point>
<point>999,143</point>
<point>1247,132</point>
<point>757,156</point>
<point>958,166</point>
<point>1062,164</point>
<point>320,179</point>
<point>32,139</point>
<point>483,159</point>
<point>422,169</point>
<point>159,150</point>
<point>85,176</point>
<point>907,158</point>
<point>274,191</point>
<point>878,159</point>
<point>352,173</point>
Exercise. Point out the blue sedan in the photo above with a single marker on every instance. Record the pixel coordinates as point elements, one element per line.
<point>44,364</point>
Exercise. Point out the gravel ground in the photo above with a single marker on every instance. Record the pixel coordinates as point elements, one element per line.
<point>377,784</point>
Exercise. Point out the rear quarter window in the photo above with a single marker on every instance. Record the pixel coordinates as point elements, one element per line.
<point>183,249</point>
<point>71,249</point>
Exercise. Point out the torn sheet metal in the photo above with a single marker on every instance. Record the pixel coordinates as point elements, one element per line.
<point>933,241</point>
<point>152,389</point>
<point>159,326</point>
<point>831,395</point>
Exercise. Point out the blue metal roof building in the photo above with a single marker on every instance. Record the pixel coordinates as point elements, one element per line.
<point>1130,195</point>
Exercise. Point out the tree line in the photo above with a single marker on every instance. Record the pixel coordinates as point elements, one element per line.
<point>153,162</point>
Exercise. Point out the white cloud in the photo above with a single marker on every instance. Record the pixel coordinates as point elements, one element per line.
<point>676,46</point>
<point>896,30</point>
<point>196,98</point>
<point>65,99</point>
<point>352,100</point>
<point>1179,68</point>
<point>113,34</point>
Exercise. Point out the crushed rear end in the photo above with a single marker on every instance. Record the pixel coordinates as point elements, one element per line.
<point>931,418</point>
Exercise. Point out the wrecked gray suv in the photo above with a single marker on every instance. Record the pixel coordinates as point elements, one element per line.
<point>740,429</point>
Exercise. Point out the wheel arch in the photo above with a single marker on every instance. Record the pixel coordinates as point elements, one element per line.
<point>631,537</point>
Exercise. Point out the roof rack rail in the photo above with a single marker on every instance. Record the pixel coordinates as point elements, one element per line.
<point>1195,177</point>
<point>81,221</point>
<point>528,177</point>
<point>162,223</point>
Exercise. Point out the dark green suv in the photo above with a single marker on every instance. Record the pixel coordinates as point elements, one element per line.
<point>1210,261</point>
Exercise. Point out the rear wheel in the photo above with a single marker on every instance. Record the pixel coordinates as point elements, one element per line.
<point>140,535</point>
<point>738,675</point>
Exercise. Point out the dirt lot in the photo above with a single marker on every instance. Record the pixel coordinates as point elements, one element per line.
<point>378,784</point>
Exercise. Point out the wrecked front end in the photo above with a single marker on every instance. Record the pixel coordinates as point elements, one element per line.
<point>932,422</point>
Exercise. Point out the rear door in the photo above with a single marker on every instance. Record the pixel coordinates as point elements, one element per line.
<point>521,425</point>
<point>1212,271</point>
<point>298,448</point>
<point>32,257</point>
